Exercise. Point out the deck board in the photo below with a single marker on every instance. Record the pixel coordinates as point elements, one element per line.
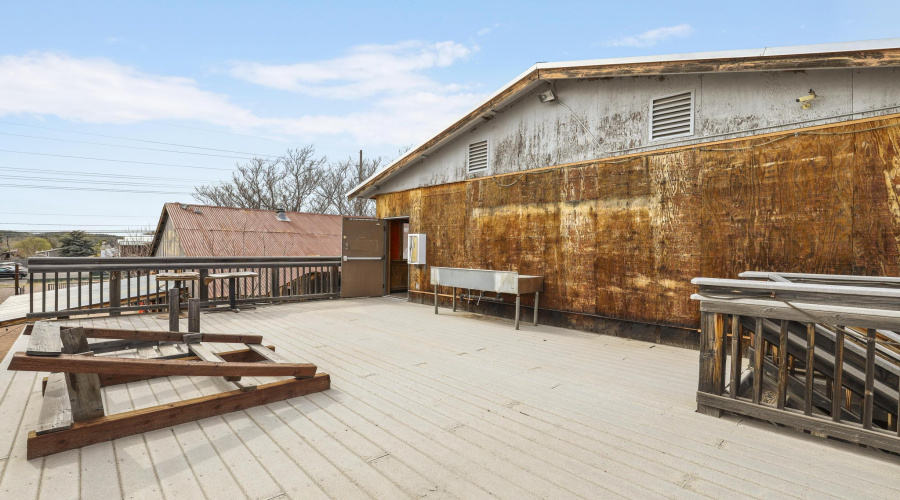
<point>453,406</point>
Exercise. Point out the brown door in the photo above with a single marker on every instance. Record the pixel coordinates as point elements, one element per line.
<point>362,266</point>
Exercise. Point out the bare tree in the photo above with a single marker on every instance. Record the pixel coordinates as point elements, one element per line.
<point>136,242</point>
<point>287,182</point>
<point>298,182</point>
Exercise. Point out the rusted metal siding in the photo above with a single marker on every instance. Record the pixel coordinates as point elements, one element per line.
<point>623,240</point>
<point>225,231</point>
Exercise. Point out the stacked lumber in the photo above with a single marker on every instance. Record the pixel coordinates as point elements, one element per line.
<point>72,413</point>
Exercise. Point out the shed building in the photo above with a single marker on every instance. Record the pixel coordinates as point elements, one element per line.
<point>619,180</point>
<point>207,231</point>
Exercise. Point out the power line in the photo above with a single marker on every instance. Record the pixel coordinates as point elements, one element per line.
<point>215,131</point>
<point>76,215</point>
<point>136,140</point>
<point>88,181</point>
<point>123,146</point>
<point>111,160</point>
<point>97,174</point>
<point>66,225</point>
<point>66,188</point>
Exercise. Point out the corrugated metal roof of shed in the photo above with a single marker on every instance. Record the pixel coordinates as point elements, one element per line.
<point>221,231</point>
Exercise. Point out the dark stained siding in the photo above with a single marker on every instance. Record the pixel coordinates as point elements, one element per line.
<point>623,240</point>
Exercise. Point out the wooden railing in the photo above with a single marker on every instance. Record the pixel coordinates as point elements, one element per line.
<point>62,287</point>
<point>822,353</point>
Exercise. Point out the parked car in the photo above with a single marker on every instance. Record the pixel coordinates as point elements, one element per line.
<point>9,271</point>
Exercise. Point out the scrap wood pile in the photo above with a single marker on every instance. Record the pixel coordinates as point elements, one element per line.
<point>72,413</point>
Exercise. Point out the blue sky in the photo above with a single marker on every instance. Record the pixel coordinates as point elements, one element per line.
<point>261,77</point>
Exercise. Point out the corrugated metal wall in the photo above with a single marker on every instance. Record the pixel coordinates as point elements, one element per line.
<point>625,239</point>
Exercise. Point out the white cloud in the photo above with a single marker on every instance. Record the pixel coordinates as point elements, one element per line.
<point>102,91</point>
<point>651,37</point>
<point>365,71</point>
<point>485,31</point>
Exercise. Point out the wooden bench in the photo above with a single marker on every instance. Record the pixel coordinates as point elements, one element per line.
<point>72,413</point>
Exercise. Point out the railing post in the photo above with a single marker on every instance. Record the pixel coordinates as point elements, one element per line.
<point>194,315</point>
<point>174,308</point>
<point>31,292</point>
<point>710,367</point>
<point>759,356</point>
<point>204,288</point>
<point>115,293</point>
<point>810,370</point>
<point>837,391</point>
<point>868,395</point>
<point>16,277</point>
<point>735,356</point>
<point>782,364</point>
<point>275,280</point>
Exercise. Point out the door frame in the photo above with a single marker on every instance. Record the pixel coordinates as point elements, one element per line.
<point>387,252</point>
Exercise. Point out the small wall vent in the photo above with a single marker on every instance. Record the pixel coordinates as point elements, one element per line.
<point>478,156</point>
<point>672,116</point>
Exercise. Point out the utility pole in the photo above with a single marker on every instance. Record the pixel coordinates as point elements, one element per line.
<point>359,173</point>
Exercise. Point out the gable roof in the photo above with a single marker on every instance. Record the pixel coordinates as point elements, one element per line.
<point>242,232</point>
<point>870,53</point>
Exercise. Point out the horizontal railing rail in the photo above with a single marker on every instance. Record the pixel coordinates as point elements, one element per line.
<point>823,353</point>
<point>63,287</point>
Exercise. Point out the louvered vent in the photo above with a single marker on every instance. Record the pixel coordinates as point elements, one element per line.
<point>672,116</point>
<point>478,156</point>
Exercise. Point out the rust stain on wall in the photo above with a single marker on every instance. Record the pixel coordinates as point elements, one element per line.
<point>624,239</point>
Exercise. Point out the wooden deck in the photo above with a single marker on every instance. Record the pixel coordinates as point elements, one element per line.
<point>439,407</point>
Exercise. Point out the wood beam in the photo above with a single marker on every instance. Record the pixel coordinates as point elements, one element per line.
<point>164,336</point>
<point>148,419</point>
<point>71,363</point>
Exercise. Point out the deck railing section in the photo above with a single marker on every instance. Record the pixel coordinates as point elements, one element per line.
<point>822,353</point>
<point>77,286</point>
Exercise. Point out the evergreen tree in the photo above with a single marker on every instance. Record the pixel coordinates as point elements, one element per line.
<point>76,244</point>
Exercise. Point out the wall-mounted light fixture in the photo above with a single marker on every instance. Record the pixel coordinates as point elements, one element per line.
<point>807,99</point>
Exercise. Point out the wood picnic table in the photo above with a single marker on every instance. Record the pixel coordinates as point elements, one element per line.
<point>232,291</point>
<point>178,277</point>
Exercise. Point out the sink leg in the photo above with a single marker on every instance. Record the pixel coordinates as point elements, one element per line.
<point>518,306</point>
<point>536,297</point>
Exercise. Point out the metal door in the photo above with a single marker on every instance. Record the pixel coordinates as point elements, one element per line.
<point>363,259</point>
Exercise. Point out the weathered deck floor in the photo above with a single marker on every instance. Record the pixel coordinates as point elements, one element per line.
<point>446,406</point>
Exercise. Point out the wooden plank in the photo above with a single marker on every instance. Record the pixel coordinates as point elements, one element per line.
<point>810,368</point>
<point>165,336</point>
<point>803,312</point>
<point>194,315</point>
<point>164,367</point>
<point>56,413</point>
<point>240,355</point>
<point>868,395</point>
<point>83,388</point>
<point>268,353</point>
<point>709,372</point>
<point>818,425</point>
<point>149,352</point>
<point>720,353</point>
<point>44,340</point>
<point>735,355</point>
<point>206,355</point>
<point>158,417</point>
<point>174,308</point>
<point>118,345</point>
<point>782,364</point>
<point>838,374</point>
<point>759,356</point>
